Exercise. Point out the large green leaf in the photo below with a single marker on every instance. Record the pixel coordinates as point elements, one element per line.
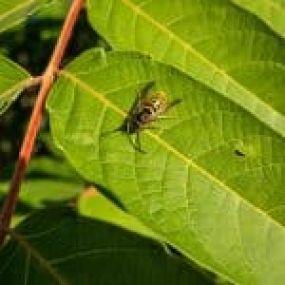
<point>57,246</point>
<point>94,205</point>
<point>271,12</point>
<point>13,12</point>
<point>57,9</point>
<point>57,168</point>
<point>37,193</point>
<point>214,41</point>
<point>12,81</point>
<point>212,178</point>
<point>40,193</point>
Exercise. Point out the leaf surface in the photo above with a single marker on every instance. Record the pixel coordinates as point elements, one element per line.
<point>47,182</point>
<point>12,81</point>
<point>13,12</point>
<point>57,246</point>
<point>211,179</point>
<point>94,205</point>
<point>271,12</point>
<point>224,47</point>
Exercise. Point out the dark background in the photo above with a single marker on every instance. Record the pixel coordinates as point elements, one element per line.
<point>30,44</point>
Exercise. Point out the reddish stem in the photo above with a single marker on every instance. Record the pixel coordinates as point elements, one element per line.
<point>36,117</point>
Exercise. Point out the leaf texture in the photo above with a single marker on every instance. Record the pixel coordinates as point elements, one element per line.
<point>224,47</point>
<point>212,178</point>
<point>272,12</point>
<point>57,246</point>
<point>13,12</point>
<point>12,81</point>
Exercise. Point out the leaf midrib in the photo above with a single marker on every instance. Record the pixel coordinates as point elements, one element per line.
<point>189,162</point>
<point>15,87</point>
<point>13,65</point>
<point>267,109</point>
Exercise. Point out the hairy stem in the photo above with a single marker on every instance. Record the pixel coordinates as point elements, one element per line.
<point>47,80</point>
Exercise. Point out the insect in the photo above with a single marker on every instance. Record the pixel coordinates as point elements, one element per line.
<point>148,107</point>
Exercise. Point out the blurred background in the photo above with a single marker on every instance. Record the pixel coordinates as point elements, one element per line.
<point>30,44</point>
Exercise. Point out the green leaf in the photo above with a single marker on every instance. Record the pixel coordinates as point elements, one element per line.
<point>272,12</point>
<point>224,47</point>
<point>57,246</point>
<point>212,176</point>
<point>52,168</point>
<point>40,193</point>
<point>96,206</point>
<point>48,182</point>
<point>57,9</point>
<point>13,12</point>
<point>12,81</point>
<point>37,193</point>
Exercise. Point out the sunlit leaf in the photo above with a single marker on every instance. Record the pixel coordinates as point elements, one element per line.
<point>94,205</point>
<point>12,81</point>
<point>13,12</point>
<point>271,12</point>
<point>212,176</point>
<point>226,48</point>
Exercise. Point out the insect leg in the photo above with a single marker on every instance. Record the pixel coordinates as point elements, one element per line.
<point>138,143</point>
<point>135,142</point>
<point>107,133</point>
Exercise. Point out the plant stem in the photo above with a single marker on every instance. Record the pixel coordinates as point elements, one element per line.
<point>48,78</point>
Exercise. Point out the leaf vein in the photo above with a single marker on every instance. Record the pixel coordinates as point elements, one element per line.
<point>268,115</point>
<point>171,149</point>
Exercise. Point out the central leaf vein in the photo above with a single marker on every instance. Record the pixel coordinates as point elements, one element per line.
<point>188,161</point>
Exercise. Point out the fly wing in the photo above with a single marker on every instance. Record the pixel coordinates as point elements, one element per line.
<point>145,90</point>
<point>173,103</point>
<point>141,95</point>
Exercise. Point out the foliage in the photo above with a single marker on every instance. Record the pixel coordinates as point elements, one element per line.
<point>203,203</point>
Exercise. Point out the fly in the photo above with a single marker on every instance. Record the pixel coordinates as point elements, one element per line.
<point>148,107</point>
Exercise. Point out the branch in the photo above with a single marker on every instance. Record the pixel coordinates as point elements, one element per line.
<point>33,128</point>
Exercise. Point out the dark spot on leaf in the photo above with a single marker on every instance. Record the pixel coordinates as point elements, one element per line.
<point>239,153</point>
